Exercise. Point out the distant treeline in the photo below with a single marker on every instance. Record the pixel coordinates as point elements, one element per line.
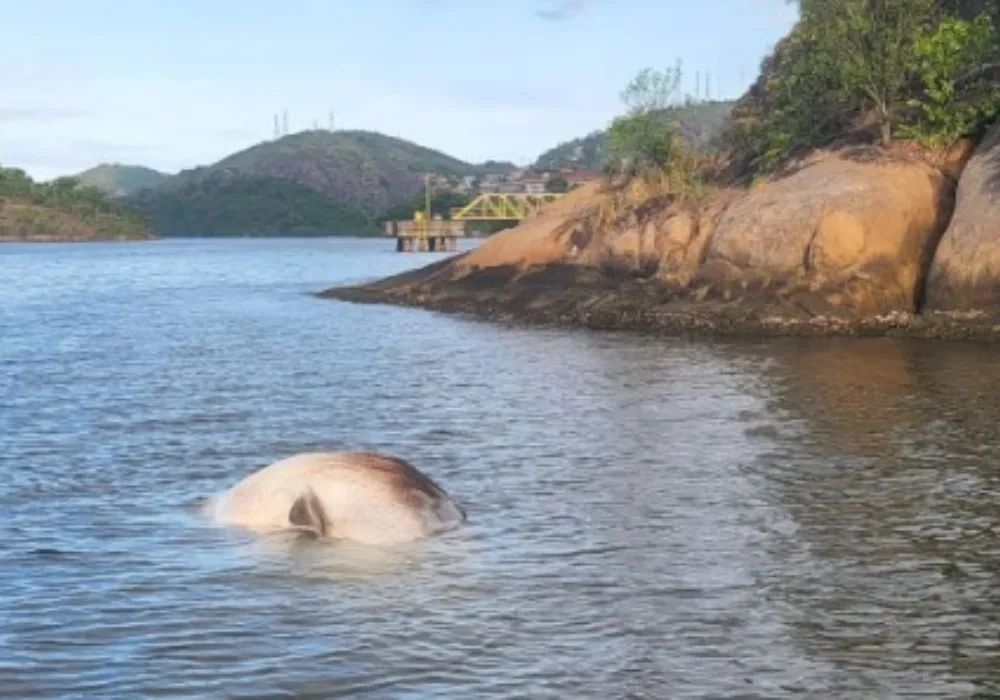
<point>245,205</point>
<point>87,210</point>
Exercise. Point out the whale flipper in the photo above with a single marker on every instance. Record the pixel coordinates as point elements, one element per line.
<point>307,513</point>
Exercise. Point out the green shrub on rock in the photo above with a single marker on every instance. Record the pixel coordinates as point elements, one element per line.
<point>646,142</point>
<point>957,98</point>
<point>922,69</point>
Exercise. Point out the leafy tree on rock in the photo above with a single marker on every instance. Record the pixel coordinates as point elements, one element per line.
<point>645,139</point>
<point>874,45</point>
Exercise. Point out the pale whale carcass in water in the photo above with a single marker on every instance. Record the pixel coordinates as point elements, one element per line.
<point>366,497</point>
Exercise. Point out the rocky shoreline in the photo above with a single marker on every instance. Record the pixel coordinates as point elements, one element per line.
<point>860,241</point>
<point>582,299</point>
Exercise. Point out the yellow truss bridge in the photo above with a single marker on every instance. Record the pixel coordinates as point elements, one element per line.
<point>502,207</point>
<point>426,233</point>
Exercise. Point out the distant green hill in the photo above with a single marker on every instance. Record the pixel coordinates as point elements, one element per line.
<point>500,167</point>
<point>311,183</point>
<point>702,123</point>
<point>586,152</point>
<point>61,210</point>
<point>235,204</point>
<point>365,169</point>
<point>118,180</point>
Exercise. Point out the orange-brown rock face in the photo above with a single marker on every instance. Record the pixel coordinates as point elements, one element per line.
<point>845,239</point>
<point>965,273</point>
<point>666,242</point>
<point>856,235</point>
<point>848,234</point>
<point>540,240</point>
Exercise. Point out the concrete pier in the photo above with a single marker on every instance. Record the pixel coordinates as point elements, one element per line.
<point>420,236</point>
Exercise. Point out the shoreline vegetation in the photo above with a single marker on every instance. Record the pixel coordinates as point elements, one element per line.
<point>62,211</point>
<point>855,190</point>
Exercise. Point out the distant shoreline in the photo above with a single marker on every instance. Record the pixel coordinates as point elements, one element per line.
<point>51,239</point>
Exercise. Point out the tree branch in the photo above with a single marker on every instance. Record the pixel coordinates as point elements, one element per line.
<point>980,72</point>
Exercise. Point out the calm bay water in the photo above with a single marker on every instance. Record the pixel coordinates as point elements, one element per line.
<point>649,518</point>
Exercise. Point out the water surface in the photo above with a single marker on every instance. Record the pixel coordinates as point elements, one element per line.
<point>648,518</point>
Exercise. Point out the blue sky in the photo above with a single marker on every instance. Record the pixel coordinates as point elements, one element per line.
<point>179,83</point>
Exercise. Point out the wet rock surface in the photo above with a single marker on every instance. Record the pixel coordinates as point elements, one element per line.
<point>578,296</point>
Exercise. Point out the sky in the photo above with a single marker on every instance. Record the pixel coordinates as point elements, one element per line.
<point>173,84</point>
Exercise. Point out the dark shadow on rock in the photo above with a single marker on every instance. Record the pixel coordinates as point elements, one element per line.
<point>991,145</point>
<point>946,210</point>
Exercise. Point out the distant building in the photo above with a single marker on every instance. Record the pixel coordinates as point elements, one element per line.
<point>523,181</point>
<point>533,185</point>
<point>440,181</point>
<point>466,185</point>
<point>490,183</point>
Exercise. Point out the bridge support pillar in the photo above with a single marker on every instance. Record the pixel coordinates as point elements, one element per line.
<point>436,243</point>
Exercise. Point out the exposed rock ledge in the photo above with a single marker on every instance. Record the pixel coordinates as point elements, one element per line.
<point>843,245</point>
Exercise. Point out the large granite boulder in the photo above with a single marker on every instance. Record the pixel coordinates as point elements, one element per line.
<point>850,233</point>
<point>642,234</point>
<point>965,272</point>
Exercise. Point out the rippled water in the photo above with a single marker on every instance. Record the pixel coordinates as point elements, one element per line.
<point>648,518</point>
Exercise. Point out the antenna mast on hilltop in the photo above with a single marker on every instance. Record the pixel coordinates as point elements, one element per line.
<point>277,127</point>
<point>286,122</point>
<point>331,120</point>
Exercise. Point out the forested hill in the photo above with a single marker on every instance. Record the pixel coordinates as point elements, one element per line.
<point>315,182</point>
<point>702,123</point>
<point>61,210</point>
<point>237,204</point>
<point>118,180</point>
<point>367,170</point>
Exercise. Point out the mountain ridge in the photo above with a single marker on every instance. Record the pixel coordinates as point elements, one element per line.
<point>366,169</point>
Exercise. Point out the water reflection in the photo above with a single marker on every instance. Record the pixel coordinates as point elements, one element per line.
<point>890,477</point>
<point>648,518</point>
